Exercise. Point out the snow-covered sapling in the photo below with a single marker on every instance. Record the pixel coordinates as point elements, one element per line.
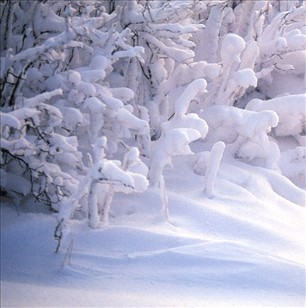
<point>110,176</point>
<point>175,142</point>
<point>178,132</point>
<point>98,162</point>
<point>128,177</point>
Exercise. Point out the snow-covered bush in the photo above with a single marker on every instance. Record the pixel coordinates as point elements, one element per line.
<point>32,152</point>
<point>291,111</point>
<point>256,44</point>
<point>142,78</point>
<point>107,177</point>
<point>244,131</point>
<point>164,29</point>
<point>37,150</point>
<point>55,84</point>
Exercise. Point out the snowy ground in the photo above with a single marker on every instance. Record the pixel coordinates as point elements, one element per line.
<point>244,247</point>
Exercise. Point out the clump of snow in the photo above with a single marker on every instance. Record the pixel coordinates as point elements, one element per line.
<point>227,122</point>
<point>231,48</point>
<point>74,77</point>
<point>10,121</point>
<point>132,121</point>
<point>245,78</point>
<point>178,132</point>
<point>182,103</point>
<point>124,94</point>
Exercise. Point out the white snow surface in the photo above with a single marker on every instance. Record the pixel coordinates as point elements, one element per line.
<point>244,247</point>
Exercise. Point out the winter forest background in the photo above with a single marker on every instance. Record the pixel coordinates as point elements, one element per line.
<point>108,104</point>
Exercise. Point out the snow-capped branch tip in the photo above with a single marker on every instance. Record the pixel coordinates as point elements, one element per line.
<point>193,89</point>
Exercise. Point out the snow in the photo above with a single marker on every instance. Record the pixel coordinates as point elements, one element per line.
<point>9,120</point>
<point>19,181</point>
<point>226,123</point>
<point>213,165</point>
<point>232,46</point>
<point>291,112</point>
<point>123,94</point>
<point>176,54</point>
<point>182,103</point>
<point>174,142</point>
<point>74,77</point>
<point>244,247</point>
<point>122,118</point>
<point>245,78</point>
<point>292,165</point>
<point>132,122</point>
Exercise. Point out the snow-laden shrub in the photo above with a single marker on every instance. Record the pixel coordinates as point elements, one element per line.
<point>291,112</point>
<point>47,159</point>
<point>139,74</point>
<point>244,131</point>
<point>32,152</point>
<point>253,42</point>
<point>177,134</point>
<point>71,47</point>
<point>164,29</point>
<point>105,177</point>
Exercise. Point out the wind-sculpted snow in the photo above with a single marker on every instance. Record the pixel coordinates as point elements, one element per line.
<point>231,250</point>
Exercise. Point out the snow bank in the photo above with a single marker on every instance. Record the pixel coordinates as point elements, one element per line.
<point>244,247</point>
